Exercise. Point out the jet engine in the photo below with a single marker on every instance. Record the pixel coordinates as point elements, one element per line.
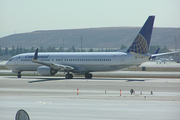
<point>46,71</point>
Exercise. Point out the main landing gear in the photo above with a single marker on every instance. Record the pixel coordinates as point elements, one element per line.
<point>69,76</point>
<point>88,75</point>
<point>19,75</point>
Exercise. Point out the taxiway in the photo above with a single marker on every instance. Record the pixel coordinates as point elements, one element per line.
<point>54,98</point>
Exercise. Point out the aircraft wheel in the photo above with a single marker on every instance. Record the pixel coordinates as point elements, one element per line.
<point>88,75</point>
<point>69,76</point>
<point>19,75</point>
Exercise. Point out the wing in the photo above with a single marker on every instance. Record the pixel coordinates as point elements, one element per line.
<point>52,65</point>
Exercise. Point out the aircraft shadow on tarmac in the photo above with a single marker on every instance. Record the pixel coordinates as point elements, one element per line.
<point>39,79</point>
<point>44,79</point>
<point>53,79</point>
<point>56,79</point>
<point>128,80</point>
<point>123,79</point>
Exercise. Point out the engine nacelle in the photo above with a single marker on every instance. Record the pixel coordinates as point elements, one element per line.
<point>46,71</point>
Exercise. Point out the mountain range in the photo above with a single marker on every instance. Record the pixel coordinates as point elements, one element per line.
<point>107,37</point>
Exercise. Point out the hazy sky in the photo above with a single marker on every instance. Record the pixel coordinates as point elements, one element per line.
<point>19,16</point>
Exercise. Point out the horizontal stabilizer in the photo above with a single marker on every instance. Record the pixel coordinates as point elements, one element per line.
<point>167,53</point>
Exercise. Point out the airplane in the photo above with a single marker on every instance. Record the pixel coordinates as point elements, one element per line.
<point>49,63</point>
<point>161,60</point>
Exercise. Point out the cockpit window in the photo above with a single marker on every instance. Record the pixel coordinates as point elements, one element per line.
<point>10,59</point>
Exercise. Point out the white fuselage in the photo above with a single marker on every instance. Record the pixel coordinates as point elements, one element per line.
<point>81,62</point>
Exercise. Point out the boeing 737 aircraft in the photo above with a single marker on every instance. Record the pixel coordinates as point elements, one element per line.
<point>48,64</point>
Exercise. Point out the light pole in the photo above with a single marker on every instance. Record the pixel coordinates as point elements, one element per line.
<point>63,44</point>
<point>81,38</point>
<point>175,43</point>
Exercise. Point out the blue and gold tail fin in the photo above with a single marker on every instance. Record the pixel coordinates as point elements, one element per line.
<point>142,41</point>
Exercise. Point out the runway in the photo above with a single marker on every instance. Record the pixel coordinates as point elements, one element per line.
<point>122,74</point>
<point>54,98</point>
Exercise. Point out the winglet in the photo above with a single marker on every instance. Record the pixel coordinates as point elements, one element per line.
<point>155,53</point>
<point>35,55</point>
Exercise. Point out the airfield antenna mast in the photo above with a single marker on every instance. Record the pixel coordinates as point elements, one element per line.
<point>63,44</point>
<point>81,38</point>
<point>175,43</point>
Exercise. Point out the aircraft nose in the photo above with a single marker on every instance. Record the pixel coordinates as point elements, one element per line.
<point>8,64</point>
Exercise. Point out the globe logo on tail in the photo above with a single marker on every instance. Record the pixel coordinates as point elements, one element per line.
<point>139,45</point>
